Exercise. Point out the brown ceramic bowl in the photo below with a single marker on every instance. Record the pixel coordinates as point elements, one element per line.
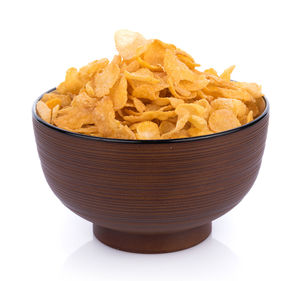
<point>151,196</point>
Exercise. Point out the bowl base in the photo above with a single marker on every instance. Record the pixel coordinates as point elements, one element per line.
<point>152,243</point>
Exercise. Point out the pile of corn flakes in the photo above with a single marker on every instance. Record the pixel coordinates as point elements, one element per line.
<point>151,90</point>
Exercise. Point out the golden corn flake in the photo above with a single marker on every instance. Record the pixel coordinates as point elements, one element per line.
<point>237,106</point>
<point>150,90</point>
<point>143,75</point>
<point>88,130</point>
<point>176,134</point>
<point>227,73</point>
<point>249,116</point>
<point>253,106</point>
<point>139,105</point>
<point>108,126</point>
<point>88,71</point>
<point>150,115</point>
<point>206,105</point>
<point>44,111</point>
<point>152,107</point>
<point>127,43</point>
<point>148,65</point>
<point>147,131</point>
<point>73,118</point>
<point>72,83</point>
<point>261,104</point>
<point>152,55</point>
<point>191,108</point>
<point>198,122</point>
<point>176,69</point>
<point>253,89</point>
<point>130,66</point>
<point>223,120</point>
<point>119,93</point>
<point>211,71</point>
<point>198,84</point>
<point>105,80</point>
<point>166,127</point>
<point>187,60</point>
<point>175,102</point>
<point>195,132</point>
<point>53,102</point>
<point>54,112</point>
<point>65,100</point>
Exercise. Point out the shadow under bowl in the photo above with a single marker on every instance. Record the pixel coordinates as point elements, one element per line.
<point>151,196</point>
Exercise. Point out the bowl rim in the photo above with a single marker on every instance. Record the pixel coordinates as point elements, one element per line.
<point>223,133</point>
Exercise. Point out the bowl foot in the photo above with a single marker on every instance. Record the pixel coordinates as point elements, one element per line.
<point>152,243</point>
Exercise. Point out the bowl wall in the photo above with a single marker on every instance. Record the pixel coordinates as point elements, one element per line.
<point>151,187</point>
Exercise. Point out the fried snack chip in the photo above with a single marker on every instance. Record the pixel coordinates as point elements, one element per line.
<point>150,90</point>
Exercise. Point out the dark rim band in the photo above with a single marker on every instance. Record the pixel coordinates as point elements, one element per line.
<point>260,117</point>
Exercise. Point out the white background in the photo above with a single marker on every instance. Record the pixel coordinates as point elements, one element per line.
<point>43,240</point>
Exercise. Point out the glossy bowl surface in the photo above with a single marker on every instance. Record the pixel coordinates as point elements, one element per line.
<point>151,196</point>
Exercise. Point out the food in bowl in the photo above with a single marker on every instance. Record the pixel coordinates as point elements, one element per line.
<point>151,90</point>
<point>150,196</point>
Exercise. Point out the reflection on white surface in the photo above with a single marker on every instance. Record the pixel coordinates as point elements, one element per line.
<point>211,260</point>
